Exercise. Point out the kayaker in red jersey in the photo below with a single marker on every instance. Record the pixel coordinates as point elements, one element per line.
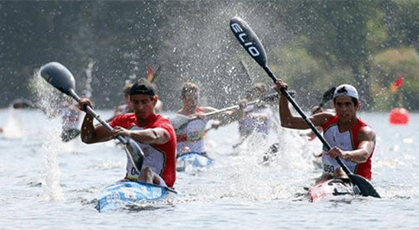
<point>351,139</point>
<point>154,134</point>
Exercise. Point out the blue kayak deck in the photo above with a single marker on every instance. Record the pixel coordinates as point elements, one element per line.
<point>127,192</point>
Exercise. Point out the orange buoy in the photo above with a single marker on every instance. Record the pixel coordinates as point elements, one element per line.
<point>399,116</point>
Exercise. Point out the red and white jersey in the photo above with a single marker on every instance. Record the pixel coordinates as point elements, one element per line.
<point>346,141</point>
<point>161,158</point>
<point>191,137</point>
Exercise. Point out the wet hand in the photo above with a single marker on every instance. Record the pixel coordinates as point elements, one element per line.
<point>118,130</point>
<point>280,84</point>
<point>84,102</point>
<point>336,152</point>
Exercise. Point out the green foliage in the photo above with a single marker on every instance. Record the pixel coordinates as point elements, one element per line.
<point>312,44</point>
<point>402,21</point>
<point>377,33</point>
<point>386,68</point>
<point>309,76</point>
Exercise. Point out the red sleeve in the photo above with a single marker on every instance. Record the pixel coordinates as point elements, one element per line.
<point>169,148</point>
<point>123,120</point>
<point>168,126</point>
<point>115,121</point>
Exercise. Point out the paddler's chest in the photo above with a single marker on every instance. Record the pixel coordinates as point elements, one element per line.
<point>335,137</point>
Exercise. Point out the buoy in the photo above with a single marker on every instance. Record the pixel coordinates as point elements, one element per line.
<point>399,116</point>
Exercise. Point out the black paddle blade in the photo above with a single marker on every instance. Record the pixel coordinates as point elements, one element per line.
<point>59,76</point>
<point>248,40</point>
<point>328,95</point>
<point>364,186</point>
<point>135,153</point>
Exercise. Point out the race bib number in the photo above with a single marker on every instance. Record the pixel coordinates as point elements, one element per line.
<point>329,164</point>
<point>328,168</point>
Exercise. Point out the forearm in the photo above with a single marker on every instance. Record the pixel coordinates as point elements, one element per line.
<point>93,134</point>
<point>366,146</point>
<point>357,156</point>
<point>285,115</point>
<point>152,136</point>
<point>87,129</point>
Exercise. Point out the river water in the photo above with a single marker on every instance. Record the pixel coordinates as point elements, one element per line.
<point>48,184</point>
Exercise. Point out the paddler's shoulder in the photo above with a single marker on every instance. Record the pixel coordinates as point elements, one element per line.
<point>124,116</point>
<point>323,117</point>
<point>163,121</point>
<point>366,133</point>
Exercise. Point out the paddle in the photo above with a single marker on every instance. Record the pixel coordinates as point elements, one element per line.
<point>254,47</point>
<point>266,98</point>
<point>61,78</point>
<point>184,120</point>
<point>327,96</point>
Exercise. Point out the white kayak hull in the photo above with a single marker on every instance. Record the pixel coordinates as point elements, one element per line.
<point>331,188</point>
<point>124,192</point>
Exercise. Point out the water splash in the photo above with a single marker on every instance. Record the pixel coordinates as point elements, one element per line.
<point>240,173</point>
<point>89,77</point>
<point>51,188</point>
<point>48,99</point>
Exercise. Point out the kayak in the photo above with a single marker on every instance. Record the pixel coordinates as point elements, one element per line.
<point>332,188</point>
<point>127,192</point>
<point>192,162</point>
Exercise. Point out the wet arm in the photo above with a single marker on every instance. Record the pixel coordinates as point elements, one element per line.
<point>152,136</point>
<point>366,139</point>
<point>93,134</point>
<point>288,120</point>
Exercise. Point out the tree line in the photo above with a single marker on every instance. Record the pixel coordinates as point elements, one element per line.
<point>313,45</point>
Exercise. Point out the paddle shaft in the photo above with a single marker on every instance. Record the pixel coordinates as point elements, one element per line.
<point>90,111</point>
<point>309,123</point>
<point>236,106</point>
<point>209,114</point>
<point>223,110</point>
